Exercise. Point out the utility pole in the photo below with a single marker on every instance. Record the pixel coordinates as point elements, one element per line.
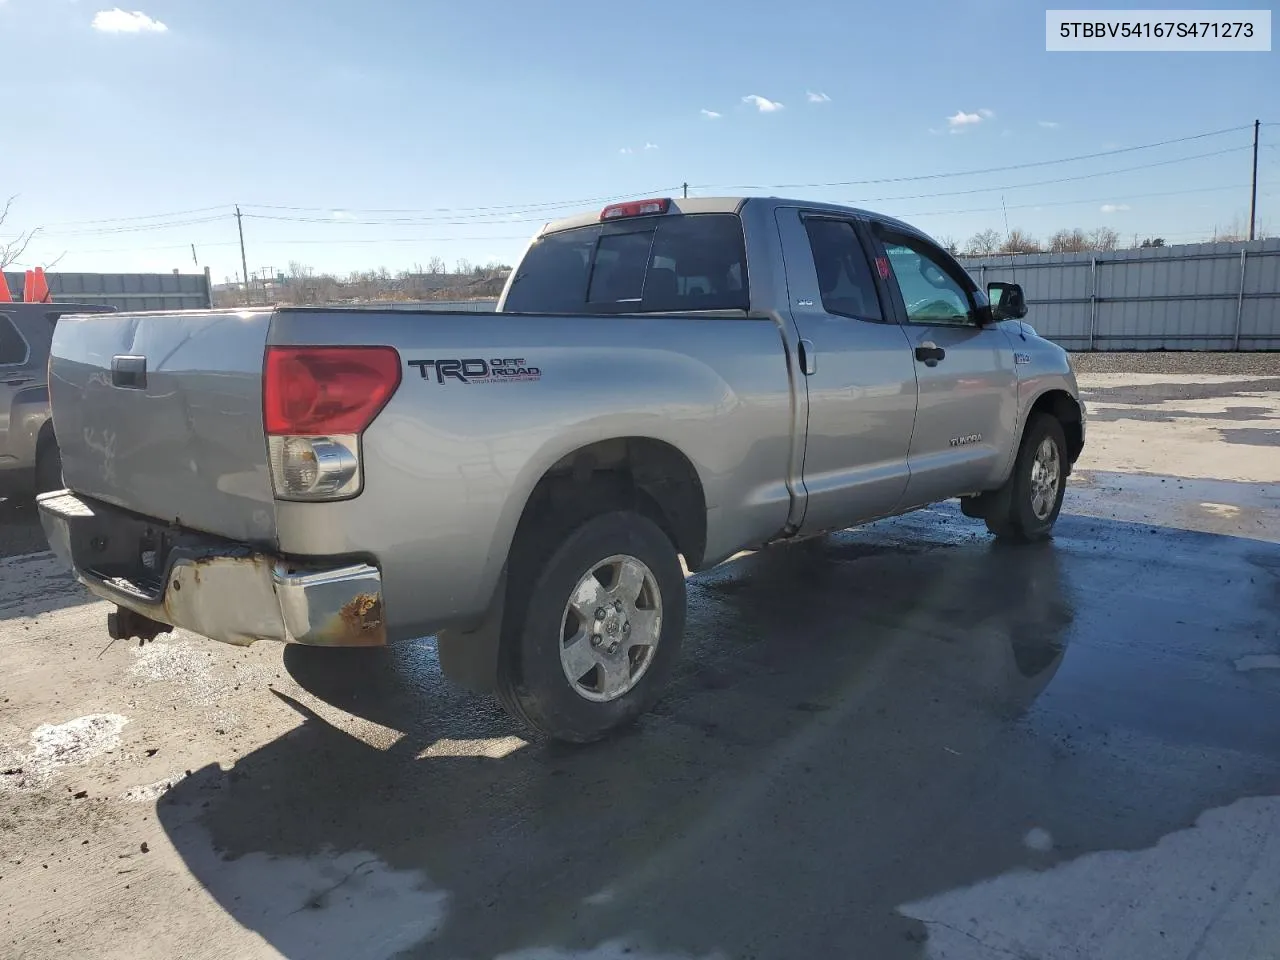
<point>1253,195</point>
<point>686,186</point>
<point>243,260</point>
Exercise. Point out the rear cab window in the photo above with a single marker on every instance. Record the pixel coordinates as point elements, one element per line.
<point>671,263</point>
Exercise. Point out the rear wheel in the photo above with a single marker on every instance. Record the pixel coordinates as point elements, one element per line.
<point>592,626</point>
<point>1027,507</point>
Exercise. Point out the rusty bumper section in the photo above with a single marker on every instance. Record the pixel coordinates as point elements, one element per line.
<point>219,589</point>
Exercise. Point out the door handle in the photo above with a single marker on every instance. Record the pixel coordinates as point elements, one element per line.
<point>18,381</point>
<point>129,372</point>
<point>929,353</point>
<point>808,358</point>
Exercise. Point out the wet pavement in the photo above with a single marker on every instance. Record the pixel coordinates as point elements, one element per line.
<point>904,741</point>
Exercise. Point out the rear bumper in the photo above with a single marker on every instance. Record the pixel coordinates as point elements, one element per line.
<point>219,589</point>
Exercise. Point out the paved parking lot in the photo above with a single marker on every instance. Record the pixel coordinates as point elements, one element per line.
<point>903,741</point>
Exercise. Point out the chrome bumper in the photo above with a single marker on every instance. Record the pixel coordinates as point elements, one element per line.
<point>225,591</point>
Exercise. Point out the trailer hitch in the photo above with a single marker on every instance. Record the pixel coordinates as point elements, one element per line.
<point>125,624</point>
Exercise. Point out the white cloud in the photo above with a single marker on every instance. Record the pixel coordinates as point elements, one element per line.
<point>817,97</point>
<point>763,104</point>
<point>626,150</point>
<point>710,114</point>
<point>650,146</point>
<point>987,113</point>
<point>1113,207</point>
<point>121,21</point>
<point>1049,124</point>
<point>962,119</point>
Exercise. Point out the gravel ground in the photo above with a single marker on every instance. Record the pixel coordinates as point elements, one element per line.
<point>1194,362</point>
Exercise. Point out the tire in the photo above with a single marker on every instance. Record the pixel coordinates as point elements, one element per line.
<point>48,466</point>
<point>620,564</point>
<point>1027,506</point>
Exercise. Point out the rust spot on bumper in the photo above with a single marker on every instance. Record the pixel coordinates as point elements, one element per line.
<point>362,613</point>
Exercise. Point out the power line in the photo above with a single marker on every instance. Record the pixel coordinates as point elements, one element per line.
<point>541,205</point>
<point>136,228</point>
<point>970,173</point>
<point>1068,203</point>
<point>437,221</point>
<point>145,216</point>
<point>508,207</point>
<point>1041,183</point>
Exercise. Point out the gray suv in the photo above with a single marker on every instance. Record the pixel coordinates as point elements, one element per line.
<point>29,458</point>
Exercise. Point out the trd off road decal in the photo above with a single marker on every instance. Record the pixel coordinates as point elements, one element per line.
<point>475,370</point>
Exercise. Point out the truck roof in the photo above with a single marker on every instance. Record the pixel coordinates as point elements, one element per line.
<point>730,205</point>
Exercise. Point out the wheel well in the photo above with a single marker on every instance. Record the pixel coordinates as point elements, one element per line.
<point>1062,405</point>
<point>45,436</point>
<point>648,474</point>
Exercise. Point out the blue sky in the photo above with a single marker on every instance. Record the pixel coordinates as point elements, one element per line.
<point>435,108</point>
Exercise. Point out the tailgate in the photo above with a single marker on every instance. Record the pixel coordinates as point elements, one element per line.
<point>161,413</point>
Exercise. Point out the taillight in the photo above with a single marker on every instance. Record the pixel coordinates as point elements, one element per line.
<point>316,401</point>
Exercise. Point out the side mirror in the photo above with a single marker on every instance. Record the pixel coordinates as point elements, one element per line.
<point>1008,302</point>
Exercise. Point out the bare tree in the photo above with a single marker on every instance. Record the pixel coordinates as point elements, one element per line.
<point>11,251</point>
<point>983,244</point>
<point>436,266</point>
<point>949,244</point>
<point>1103,238</point>
<point>463,266</point>
<point>1019,241</point>
<point>1069,241</point>
<point>1232,233</point>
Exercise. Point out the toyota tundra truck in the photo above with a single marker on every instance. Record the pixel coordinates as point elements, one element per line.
<point>665,384</point>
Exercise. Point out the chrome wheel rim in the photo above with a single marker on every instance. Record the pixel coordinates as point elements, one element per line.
<point>610,628</point>
<point>1046,475</point>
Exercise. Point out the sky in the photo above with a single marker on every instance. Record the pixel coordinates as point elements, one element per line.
<point>383,133</point>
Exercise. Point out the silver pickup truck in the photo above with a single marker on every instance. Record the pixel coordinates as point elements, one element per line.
<point>663,379</point>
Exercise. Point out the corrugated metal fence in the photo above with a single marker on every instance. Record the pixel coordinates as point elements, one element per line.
<point>127,291</point>
<point>1205,296</point>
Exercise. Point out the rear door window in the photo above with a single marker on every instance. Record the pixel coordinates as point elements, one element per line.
<point>655,264</point>
<point>844,276</point>
<point>13,349</point>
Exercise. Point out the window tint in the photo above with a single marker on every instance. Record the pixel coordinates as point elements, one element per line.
<point>698,263</point>
<point>695,262</point>
<point>930,293</point>
<point>617,276</point>
<point>844,276</point>
<point>13,349</point>
<point>553,274</point>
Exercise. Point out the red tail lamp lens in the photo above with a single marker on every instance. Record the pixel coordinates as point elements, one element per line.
<point>314,391</point>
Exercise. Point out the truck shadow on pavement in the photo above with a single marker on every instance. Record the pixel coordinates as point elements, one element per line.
<point>858,723</point>
<point>20,530</point>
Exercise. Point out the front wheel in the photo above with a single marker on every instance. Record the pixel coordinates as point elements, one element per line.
<point>1027,507</point>
<point>592,628</point>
